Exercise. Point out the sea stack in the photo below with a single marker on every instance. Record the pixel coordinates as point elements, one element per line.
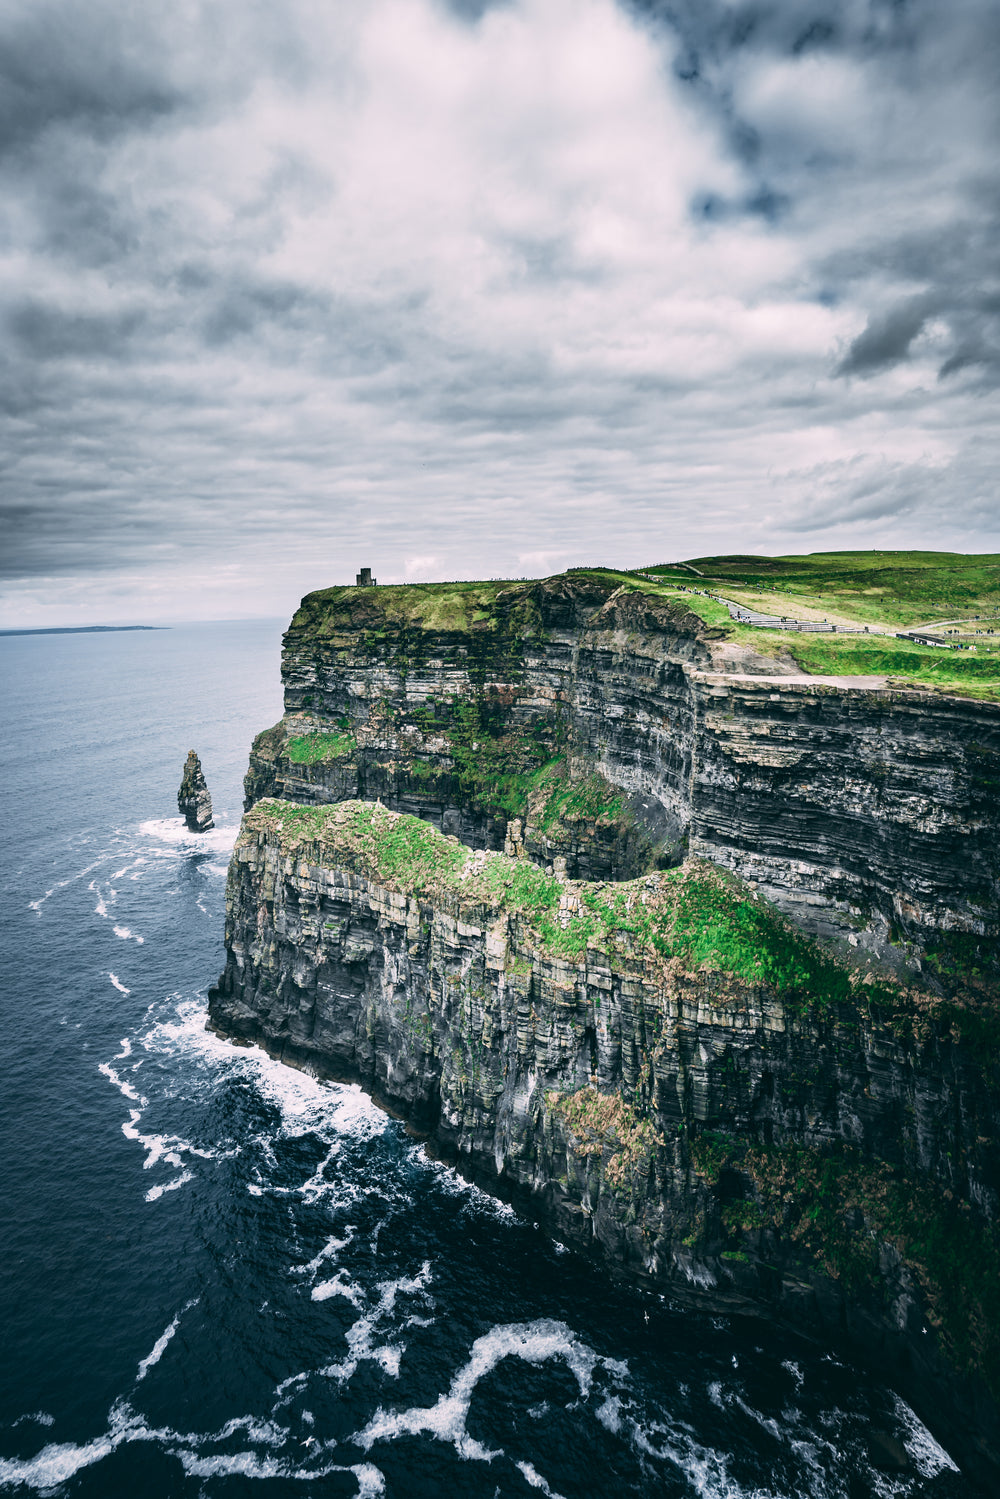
<point>193,798</point>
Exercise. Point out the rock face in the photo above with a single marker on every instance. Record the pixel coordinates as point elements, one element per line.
<point>693,957</point>
<point>785,1136</point>
<point>859,810</point>
<point>193,798</point>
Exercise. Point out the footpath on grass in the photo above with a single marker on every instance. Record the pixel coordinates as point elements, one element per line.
<point>743,615</point>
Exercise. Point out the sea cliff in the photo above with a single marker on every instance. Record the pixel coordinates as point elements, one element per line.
<point>691,957</point>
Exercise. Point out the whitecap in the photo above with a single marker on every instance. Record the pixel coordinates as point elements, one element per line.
<point>337,1287</point>
<point>360,1337</point>
<point>174,832</point>
<point>332,1247</point>
<point>304,1102</point>
<point>121,990</point>
<point>157,1147</point>
<point>536,1480</point>
<point>155,1193</point>
<point>448,1180</point>
<point>59,1461</point>
<point>534,1342</point>
<point>124,1088</point>
<point>127,935</point>
<point>158,1348</point>
<point>54,1464</point>
<point>36,905</point>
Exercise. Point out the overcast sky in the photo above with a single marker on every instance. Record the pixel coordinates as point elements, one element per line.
<point>453,288</point>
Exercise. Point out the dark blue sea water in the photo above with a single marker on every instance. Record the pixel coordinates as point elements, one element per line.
<point>219,1277</point>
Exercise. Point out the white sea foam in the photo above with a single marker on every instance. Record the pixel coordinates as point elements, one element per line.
<point>448,1180</point>
<point>36,905</point>
<point>534,1342</point>
<point>334,1111</point>
<point>158,1348</point>
<point>304,1102</point>
<point>928,1456</point>
<point>360,1337</point>
<point>127,935</point>
<point>121,990</point>
<point>126,1044</point>
<point>338,1287</point>
<point>536,1480</point>
<point>174,831</point>
<point>330,1249</point>
<point>36,1418</point>
<point>157,1192</point>
<point>249,1465</point>
<point>123,1087</point>
<point>54,1464</point>
<point>58,1462</point>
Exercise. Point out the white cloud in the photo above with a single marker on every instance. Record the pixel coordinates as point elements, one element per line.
<point>382,284</point>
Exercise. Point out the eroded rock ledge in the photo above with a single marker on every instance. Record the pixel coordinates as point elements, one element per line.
<point>663,1070</point>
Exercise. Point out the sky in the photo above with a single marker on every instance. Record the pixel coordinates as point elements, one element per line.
<point>454,288</point>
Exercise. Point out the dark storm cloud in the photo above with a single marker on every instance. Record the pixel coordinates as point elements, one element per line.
<point>487,286</point>
<point>75,67</point>
<point>886,339</point>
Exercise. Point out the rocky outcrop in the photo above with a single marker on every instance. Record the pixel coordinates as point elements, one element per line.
<point>193,799</point>
<point>868,813</point>
<point>664,1071</point>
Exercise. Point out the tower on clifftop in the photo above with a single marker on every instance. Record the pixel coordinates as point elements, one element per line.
<point>365,579</point>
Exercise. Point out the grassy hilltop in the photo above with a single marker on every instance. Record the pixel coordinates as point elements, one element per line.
<point>888,590</point>
<point>892,588</point>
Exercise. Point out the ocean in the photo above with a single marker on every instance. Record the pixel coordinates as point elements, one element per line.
<point>220,1277</point>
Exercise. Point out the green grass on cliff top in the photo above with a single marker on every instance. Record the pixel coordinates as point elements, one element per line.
<point>891,588</point>
<point>697,915</point>
<point>457,606</point>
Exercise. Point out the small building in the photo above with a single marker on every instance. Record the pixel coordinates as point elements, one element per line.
<point>365,579</point>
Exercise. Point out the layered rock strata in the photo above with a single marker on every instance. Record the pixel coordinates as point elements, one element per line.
<point>598,995</point>
<point>193,799</point>
<point>663,1070</point>
<point>860,810</point>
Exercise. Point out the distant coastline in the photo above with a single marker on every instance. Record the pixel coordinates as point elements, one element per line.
<point>81,629</point>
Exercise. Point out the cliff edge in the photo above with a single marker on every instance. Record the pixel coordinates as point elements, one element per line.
<point>697,965</point>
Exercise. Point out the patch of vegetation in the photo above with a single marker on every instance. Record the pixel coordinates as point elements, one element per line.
<point>835,1207</point>
<point>958,672</point>
<point>497,766</point>
<point>898,588</point>
<point>963,673</point>
<point>695,916</point>
<point>694,913</point>
<point>268,744</point>
<point>605,1121</point>
<point>462,607</point>
<point>315,749</point>
<point>591,799</point>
